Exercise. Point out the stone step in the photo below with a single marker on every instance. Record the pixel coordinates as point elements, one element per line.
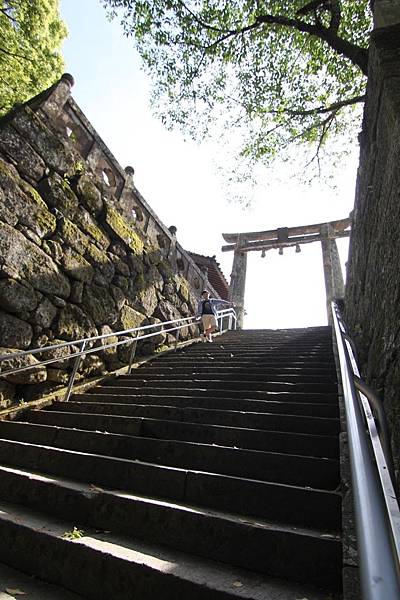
<point>203,392</point>
<point>321,445</point>
<point>102,565</point>
<point>220,375</point>
<point>229,384</point>
<point>225,368</point>
<point>232,419</point>
<point>270,355</point>
<point>314,507</point>
<point>187,528</point>
<point>315,472</point>
<point>238,360</point>
<point>29,587</point>
<point>127,405</point>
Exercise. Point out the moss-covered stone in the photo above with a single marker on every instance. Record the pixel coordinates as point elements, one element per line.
<point>14,333</point>
<point>58,194</point>
<point>74,324</point>
<point>36,374</point>
<point>21,203</point>
<point>100,261</point>
<point>123,230</point>
<point>120,266</point>
<point>99,304</point>
<point>50,147</point>
<point>87,224</point>
<point>72,235</point>
<point>76,266</point>
<point>21,153</point>
<point>182,288</point>
<point>45,313</point>
<point>17,298</point>
<point>53,249</point>
<point>166,270</point>
<point>23,260</point>
<point>131,318</point>
<point>89,194</point>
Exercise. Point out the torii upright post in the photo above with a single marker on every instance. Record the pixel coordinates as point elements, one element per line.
<point>238,283</point>
<point>334,285</point>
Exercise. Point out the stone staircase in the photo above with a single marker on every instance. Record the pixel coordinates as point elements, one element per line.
<point>210,473</point>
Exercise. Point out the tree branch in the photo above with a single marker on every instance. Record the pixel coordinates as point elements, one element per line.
<point>323,109</point>
<point>356,54</point>
<point>5,13</point>
<point>15,54</point>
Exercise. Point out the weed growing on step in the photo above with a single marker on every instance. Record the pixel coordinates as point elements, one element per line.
<point>75,534</point>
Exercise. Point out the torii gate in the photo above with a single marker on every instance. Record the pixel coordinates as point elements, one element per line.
<point>284,237</point>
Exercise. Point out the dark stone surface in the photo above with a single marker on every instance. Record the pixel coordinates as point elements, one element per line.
<point>373,282</point>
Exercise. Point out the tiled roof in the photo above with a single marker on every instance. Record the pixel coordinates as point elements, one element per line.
<point>214,272</point>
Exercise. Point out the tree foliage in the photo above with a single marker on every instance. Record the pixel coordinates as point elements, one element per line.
<point>280,72</point>
<point>31,33</point>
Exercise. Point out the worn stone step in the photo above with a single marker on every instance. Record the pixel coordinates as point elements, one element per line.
<point>83,403</point>
<point>290,469</point>
<point>227,369</point>
<point>102,566</point>
<point>242,495</point>
<point>175,360</point>
<point>228,384</point>
<point>219,375</point>
<point>216,535</point>
<point>118,391</point>
<point>29,587</point>
<point>297,443</point>
<point>225,418</point>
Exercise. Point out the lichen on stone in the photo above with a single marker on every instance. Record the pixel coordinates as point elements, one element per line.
<point>123,230</point>
<point>72,235</point>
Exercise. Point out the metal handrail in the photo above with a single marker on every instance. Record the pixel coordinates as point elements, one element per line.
<point>86,344</point>
<point>376,509</point>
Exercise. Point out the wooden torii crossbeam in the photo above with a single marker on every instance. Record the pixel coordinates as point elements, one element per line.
<point>285,237</point>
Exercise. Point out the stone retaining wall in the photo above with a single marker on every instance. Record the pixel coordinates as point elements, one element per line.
<point>373,281</point>
<point>81,252</point>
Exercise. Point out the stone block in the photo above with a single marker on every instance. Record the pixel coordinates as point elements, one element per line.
<point>89,194</point>
<point>87,224</point>
<point>98,258</point>
<point>72,235</point>
<point>7,393</point>
<point>123,230</point>
<point>21,203</point>
<point>14,333</point>
<point>131,318</point>
<point>76,266</point>
<point>99,304</point>
<point>146,300</point>
<point>21,153</point>
<point>21,259</point>
<point>35,374</point>
<point>58,194</point>
<point>45,313</point>
<point>46,143</point>
<point>74,324</point>
<point>120,266</point>
<point>61,354</point>
<point>17,297</point>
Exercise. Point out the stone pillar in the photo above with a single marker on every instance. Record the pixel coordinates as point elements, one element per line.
<point>386,13</point>
<point>238,283</point>
<point>334,285</point>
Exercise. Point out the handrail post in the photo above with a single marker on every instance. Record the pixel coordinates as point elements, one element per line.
<point>132,354</point>
<point>77,362</point>
<point>178,331</point>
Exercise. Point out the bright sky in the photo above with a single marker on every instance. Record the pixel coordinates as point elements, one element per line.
<point>179,179</point>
